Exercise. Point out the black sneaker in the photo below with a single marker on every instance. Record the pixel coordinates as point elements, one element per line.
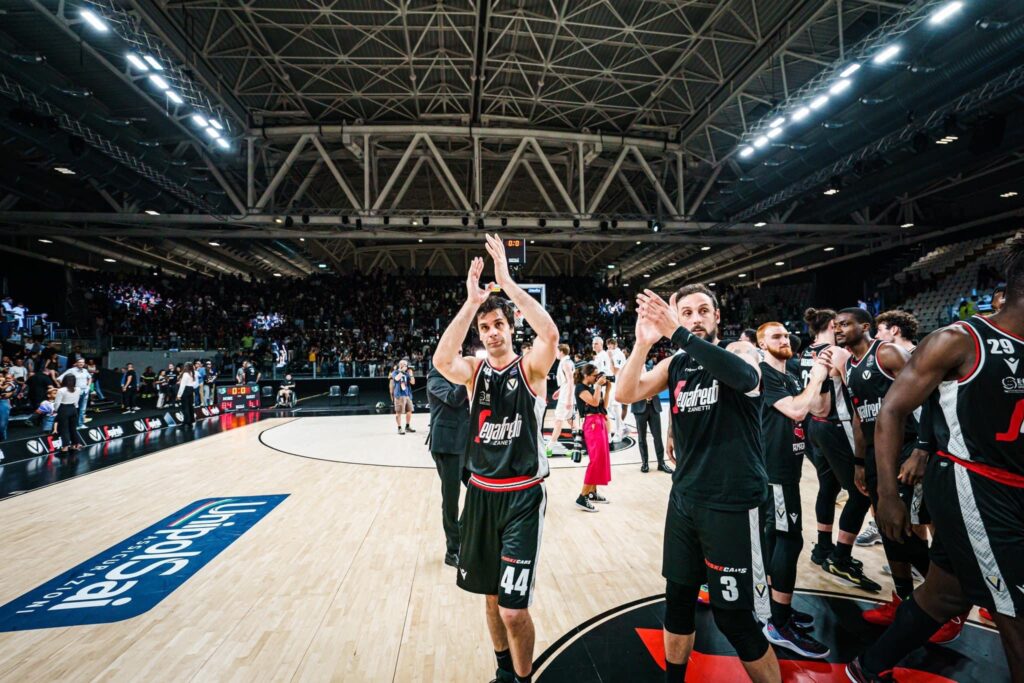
<point>595,497</point>
<point>801,619</point>
<point>409,430</point>
<point>796,639</point>
<point>820,553</point>
<point>848,573</point>
<point>856,673</point>
<point>583,504</point>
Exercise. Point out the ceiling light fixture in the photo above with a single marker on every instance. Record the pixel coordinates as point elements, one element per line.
<point>801,114</point>
<point>216,124</point>
<point>830,248</point>
<point>780,263</point>
<point>212,133</point>
<point>64,170</point>
<point>746,151</point>
<point>159,82</point>
<point>174,97</point>
<point>760,224</point>
<point>45,241</point>
<point>777,122</point>
<point>907,225</point>
<point>151,212</point>
<point>819,102</point>
<point>761,141</point>
<point>945,12</point>
<point>110,260</point>
<point>214,244</point>
<point>134,60</point>
<point>831,191</point>
<point>850,70</point>
<point>223,144</point>
<point>840,86</point>
<point>1007,195</point>
<point>705,248</point>
<point>200,121</point>
<point>151,60</point>
<point>611,266</point>
<point>774,133</point>
<point>93,20</point>
<point>321,265</point>
<point>277,274</point>
<point>886,54</point>
<point>742,275</point>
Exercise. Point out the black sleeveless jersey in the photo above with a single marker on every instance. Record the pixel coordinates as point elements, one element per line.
<point>981,415</point>
<point>840,408</point>
<point>717,435</point>
<point>868,383</point>
<point>505,416</point>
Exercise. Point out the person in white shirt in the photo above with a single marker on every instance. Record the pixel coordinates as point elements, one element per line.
<point>565,411</point>
<point>616,410</point>
<point>67,402</point>
<point>82,380</point>
<point>187,385</point>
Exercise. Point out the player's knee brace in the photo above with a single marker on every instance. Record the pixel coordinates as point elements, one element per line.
<point>742,631</point>
<point>784,558</point>
<point>680,608</point>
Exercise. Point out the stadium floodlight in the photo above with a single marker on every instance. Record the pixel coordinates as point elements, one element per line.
<point>200,121</point>
<point>760,224</point>
<point>840,86</point>
<point>159,82</point>
<point>223,144</point>
<point>886,54</point>
<point>907,225</point>
<point>110,260</point>
<point>746,151</point>
<point>945,12</point>
<point>212,132</point>
<point>774,133</point>
<point>819,102</point>
<point>761,141</point>
<point>134,60</point>
<point>151,212</point>
<point>151,60</point>
<point>214,244</point>
<point>174,97</point>
<point>216,124</point>
<point>801,113</point>
<point>45,241</point>
<point>830,248</point>
<point>93,20</point>
<point>705,248</point>
<point>777,122</point>
<point>850,70</point>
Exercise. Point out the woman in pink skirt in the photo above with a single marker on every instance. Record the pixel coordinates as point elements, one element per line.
<point>592,394</point>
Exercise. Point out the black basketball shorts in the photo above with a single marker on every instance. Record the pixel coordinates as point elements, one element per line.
<point>722,547</point>
<point>500,536</point>
<point>979,534</point>
<point>786,510</point>
<point>912,496</point>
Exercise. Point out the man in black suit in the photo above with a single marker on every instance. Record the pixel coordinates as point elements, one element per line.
<point>646,413</point>
<point>449,432</point>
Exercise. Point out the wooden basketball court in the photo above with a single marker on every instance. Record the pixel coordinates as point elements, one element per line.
<point>343,580</point>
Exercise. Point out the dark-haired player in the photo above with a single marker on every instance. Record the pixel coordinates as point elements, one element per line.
<point>503,515</point>
<point>974,488</point>
<point>869,371</point>
<point>897,327</point>
<point>830,434</point>
<point>713,526</point>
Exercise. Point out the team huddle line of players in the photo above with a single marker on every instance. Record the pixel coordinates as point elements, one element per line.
<point>928,437</point>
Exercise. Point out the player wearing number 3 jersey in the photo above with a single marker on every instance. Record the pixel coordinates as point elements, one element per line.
<point>713,526</point>
<point>503,518</point>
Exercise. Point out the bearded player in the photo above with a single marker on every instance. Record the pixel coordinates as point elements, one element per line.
<point>503,515</point>
<point>713,525</point>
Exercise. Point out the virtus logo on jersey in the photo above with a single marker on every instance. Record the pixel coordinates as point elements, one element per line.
<point>133,576</point>
<point>498,433</point>
<point>696,399</point>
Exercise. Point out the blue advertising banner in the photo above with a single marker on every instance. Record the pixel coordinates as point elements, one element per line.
<point>133,576</point>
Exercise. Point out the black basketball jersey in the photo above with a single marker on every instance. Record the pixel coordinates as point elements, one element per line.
<point>505,416</point>
<point>839,411</point>
<point>981,415</point>
<point>717,436</point>
<point>784,440</point>
<point>868,383</point>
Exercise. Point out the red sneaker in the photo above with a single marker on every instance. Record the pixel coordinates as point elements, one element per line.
<point>985,614</point>
<point>884,615</point>
<point>950,631</point>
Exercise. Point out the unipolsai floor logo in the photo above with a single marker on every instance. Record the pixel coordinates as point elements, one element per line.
<point>133,576</point>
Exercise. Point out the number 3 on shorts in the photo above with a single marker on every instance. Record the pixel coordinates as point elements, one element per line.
<point>509,582</point>
<point>729,591</point>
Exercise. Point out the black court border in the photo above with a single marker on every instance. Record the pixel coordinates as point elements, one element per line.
<point>585,626</point>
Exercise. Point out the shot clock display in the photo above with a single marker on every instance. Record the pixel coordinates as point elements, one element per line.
<point>242,397</point>
<point>515,251</point>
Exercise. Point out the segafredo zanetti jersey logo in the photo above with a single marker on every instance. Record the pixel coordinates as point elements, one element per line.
<point>498,433</point>
<point>695,398</point>
<point>134,575</point>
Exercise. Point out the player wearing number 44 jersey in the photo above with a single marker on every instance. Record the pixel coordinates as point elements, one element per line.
<point>974,488</point>
<point>503,515</point>
<point>713,526</point>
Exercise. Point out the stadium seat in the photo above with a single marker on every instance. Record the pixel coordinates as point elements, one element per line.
<point>335,392</point>
<point>353,394</point>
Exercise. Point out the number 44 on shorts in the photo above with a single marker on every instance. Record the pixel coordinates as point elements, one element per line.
<point>510,583</point>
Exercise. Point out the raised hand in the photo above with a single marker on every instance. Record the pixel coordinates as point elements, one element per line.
<point>475,294</point>
<point>496,250</point>
<point>663,316</point>
<point>646,332</point>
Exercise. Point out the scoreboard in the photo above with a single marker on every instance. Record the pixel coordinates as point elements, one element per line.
<point>515,251</point>
<point>241,397</point>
